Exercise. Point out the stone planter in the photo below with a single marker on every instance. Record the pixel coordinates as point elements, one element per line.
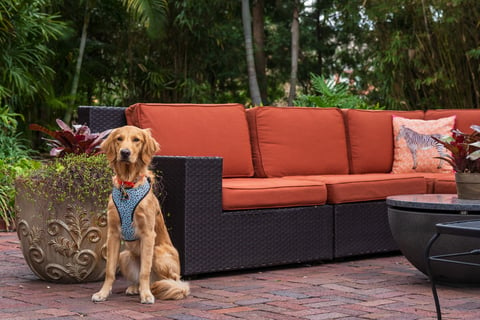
<point>62,241</point>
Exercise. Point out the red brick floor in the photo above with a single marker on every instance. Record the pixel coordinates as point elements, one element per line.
<point>385,287</point>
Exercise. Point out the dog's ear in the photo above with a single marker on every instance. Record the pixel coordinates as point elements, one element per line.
<point>108,146</point>
<point>150,147</point>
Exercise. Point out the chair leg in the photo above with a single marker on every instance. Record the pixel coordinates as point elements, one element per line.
<point>430,275</point>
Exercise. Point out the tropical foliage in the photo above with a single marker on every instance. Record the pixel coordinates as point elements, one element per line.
<point>332,93</point>
<point>26,69</point>
<point>464,150</point>
<point>424,54</point>
<point>414,54</point>
<point>76,140</point>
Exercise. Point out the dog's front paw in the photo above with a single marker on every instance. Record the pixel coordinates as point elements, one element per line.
<point>147,298</point>
<point>99,296</point>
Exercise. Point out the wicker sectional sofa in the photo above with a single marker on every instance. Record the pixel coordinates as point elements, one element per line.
<point>247,188</point>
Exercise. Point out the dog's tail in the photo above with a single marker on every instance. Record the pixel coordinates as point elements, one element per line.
<point>169,289</point>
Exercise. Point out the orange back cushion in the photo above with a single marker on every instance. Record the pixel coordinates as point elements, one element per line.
<point>290,141</point>
<point>370,136</point>
<point>199,130</point>
<point>464,117</point>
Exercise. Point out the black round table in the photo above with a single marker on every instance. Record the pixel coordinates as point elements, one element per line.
<point>412,220</point>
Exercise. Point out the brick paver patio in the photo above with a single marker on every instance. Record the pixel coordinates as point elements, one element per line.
<point>385,287</point>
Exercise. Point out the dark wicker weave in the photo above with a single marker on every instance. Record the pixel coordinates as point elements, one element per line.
<point>362,228</point>
<point>101,118</point>
<point>210,239</point>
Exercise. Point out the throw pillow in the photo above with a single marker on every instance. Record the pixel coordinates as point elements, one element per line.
<point>414,148</point>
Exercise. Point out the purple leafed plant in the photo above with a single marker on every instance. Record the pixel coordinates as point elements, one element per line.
<point>75,140</point>
<point>464,149</point>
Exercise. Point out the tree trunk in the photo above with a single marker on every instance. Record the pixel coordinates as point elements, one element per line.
<point>295,49</point>
<point>252,75</point>
<point>78,67</point>
<point>259,47</point>
<point>318,32</point>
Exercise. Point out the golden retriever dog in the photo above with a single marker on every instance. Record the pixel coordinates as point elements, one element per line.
<point>150,261</point>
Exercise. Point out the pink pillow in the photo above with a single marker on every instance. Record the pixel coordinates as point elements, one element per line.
<point>415,150</point>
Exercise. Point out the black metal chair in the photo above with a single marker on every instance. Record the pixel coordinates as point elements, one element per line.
<point>469,228</point>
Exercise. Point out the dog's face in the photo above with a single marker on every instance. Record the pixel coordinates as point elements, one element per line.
<point>130,145</point>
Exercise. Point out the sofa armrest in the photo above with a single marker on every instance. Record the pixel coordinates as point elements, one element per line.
<point>99,119</point>
<point>193,200</point>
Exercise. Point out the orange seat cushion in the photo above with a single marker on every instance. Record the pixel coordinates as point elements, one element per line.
<point>464,117</point>
<point>443,183</point>
<point>370,135</point>
<point>256,193</point>
<point>219,130</point>
<point>368,187</point>
<point>297,141</point>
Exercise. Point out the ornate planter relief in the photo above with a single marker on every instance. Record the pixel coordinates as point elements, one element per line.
<point>64,244</point>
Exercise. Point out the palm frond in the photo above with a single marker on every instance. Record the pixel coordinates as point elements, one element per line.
<point>151,13</point>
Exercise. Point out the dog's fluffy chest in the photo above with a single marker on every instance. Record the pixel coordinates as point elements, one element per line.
<point>126,201</point>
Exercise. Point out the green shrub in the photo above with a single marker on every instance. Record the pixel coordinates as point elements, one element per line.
<point>8,121</point>
<point>13,147</point>
<point>10,169</point>
<point>15,160</point>
<point>332,94</point>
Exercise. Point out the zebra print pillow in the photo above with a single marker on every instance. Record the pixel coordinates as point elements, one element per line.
<point>415,150</point>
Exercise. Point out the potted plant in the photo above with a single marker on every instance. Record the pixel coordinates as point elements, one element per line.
<point>61,208</point>
<point>464,158</point>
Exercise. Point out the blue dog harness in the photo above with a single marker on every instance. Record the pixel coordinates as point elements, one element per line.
<point>126,200</point>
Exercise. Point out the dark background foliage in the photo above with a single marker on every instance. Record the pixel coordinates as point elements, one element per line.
<point>414,54</point>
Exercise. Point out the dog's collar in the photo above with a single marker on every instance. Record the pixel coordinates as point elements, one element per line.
<point>128,184</point>
<point>123,186</point>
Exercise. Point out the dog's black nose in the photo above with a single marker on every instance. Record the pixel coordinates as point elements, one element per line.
<point>125,153</point>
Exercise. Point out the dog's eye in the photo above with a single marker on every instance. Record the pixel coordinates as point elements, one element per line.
<point>136,139</point>
<point>119,139</point>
